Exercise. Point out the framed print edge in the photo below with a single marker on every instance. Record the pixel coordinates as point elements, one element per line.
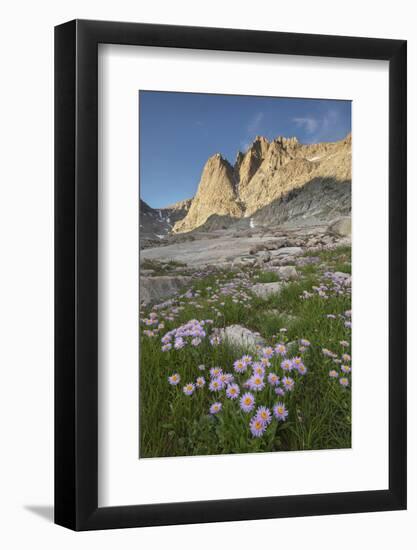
<point>76,271</point>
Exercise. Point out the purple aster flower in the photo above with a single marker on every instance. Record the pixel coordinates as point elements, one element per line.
<point>256,383</point>
<point>287,365</point>
<point>344,381</point>
<point>297,361</point>
<point>240,366</point>
<point>227,378</point>
<point>264,414</point>
<point>304,343</point>
<point>268,352</point>
<point>273,379</point>
<point>288,383</point>
<point>280,412</point>
<point>166,347</point>
<point>345,368</point>
<point>215,372</point>
<point>259,369</point>
<point>215,340</point>
<point>279,391</point>
<point>346,357</point>
<point>247,359</point>
<point>215,408</point>
<point>233,391</point>
<point>216,384</point>
<point>333,373</point>
<point>265,362</point>
<point>196,341</point>
<point>257,427</point>
<point>188,389</point>
<point>344,343</point>
<point>302,369</point>
<point>200,382</point>
<point>174,379</point>
<point>179,343</point>
<point>247,402</point>
<point>327,353</point>
<point>280,349</point>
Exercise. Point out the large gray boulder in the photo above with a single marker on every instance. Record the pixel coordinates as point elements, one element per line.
<point>287,251</point>
<point>341,227</point>
<point>236,335</point>
<point>155,289</point>
<point>286,272</point>
<point>264,290</point>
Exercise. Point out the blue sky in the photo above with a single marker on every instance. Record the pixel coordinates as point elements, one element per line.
<point>180,131</point>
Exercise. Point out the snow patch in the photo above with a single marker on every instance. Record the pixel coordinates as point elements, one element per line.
<point>251,223</point>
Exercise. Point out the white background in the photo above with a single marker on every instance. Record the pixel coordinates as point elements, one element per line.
<point>26,300</point>
<point>123,479</point>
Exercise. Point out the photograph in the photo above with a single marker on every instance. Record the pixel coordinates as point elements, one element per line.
<point>245,274</point>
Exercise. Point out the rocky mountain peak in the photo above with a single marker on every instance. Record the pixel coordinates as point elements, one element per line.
<point>287,142</point>
<point>216,194</point>
<point>266,172</point>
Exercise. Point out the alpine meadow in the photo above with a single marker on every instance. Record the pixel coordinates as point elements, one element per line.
<point>245,281</point>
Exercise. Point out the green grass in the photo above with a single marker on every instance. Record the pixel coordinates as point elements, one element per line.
<point>266,277</point>
<point>173,424</point>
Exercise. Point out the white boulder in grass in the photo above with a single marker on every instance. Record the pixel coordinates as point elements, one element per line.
<point>236,335</point>
<point>264,290</point>
<point>286,272</point>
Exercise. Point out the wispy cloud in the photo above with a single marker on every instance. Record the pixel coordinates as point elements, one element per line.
<point>254,125</point>
<point>309,124</point>
<point>318,127</point>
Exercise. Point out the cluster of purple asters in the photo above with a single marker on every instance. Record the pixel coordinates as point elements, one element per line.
<point>263,418</point>
<point>343,367</point>
<point>332,284</point>
<point>152,321</point>
<point>193,332</point>
<point>268,371</point>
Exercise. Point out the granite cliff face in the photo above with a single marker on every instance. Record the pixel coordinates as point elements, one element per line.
<point>216,194</point>
<point>264,181</point>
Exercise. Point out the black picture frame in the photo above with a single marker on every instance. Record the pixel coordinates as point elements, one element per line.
<point>76,272</point>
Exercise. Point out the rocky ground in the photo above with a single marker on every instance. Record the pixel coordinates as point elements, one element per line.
<point>167,268</point>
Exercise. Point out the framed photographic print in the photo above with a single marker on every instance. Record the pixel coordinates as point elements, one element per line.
<point>230,275</point>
